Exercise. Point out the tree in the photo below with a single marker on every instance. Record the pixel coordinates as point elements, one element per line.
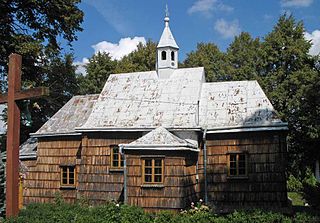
<point>211,58</point>
<point>243,58</point>
<point>142,59</point>
<point>290,79</point>
<point>34,29</point>
<point>98,69</point>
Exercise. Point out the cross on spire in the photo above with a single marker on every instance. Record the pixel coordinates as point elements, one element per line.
<point>167,11</point>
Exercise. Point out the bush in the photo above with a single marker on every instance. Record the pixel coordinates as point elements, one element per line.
<point>60,212</point>
<point>309,178</point>
<point>294,184</point>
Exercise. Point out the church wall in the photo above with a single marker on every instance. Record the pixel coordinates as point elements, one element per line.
<point>42,181</point>
<point>178,188</point>
<point>264,184</point>
<point>98,182</point>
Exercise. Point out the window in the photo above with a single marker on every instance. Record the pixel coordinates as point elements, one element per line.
<point>163,55</point>
<point>68,176</point>
<point>172,55</point>
<point>152,170</point>
<point>237,165</point>
<point>116,157</point>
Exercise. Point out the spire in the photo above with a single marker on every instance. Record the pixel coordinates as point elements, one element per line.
<point>167,39</point>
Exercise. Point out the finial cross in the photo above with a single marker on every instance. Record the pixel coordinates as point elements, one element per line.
<point>167,11</point>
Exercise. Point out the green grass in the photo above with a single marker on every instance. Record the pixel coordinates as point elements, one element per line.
<point>297,198</point>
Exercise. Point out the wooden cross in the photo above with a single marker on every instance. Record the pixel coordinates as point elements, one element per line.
<point>13,130</point>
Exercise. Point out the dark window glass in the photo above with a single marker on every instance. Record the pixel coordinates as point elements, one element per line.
<point>163,55</point>
<point>172,55</point>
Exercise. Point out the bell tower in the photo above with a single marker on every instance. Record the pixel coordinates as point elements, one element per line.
<point>167,51</point>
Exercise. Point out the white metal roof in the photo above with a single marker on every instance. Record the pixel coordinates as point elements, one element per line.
<point>160,139</point>
<point>73,114</point>
<point>142,100</point>
<point>235,104</point>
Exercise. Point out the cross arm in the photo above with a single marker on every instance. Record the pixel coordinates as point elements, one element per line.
<point>26,94</point>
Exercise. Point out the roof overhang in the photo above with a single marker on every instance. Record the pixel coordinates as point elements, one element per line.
<point>160,147</point>
<point>279,127</point>
<point>115,129</point>
<point>36,135</point>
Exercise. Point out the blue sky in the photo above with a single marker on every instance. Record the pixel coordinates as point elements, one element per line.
<point>116,26</point>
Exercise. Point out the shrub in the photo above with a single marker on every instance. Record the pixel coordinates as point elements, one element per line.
<point>309,178</point>
<point>294,184</point>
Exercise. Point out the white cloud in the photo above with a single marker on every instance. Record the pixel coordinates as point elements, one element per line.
<point>206,7</point>
<point>315,40</point>
<point>296,3</point>
<point>81,69</point>
<point>118,50</point>
<point>115,50</point>
<point>227,29</point>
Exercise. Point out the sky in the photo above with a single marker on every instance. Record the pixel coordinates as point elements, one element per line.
<point>117,26</point>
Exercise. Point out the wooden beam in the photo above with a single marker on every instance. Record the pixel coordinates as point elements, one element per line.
<point>26,94</point>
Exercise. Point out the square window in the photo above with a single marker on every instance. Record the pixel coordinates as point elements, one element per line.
<point>237,165</point>
<point>152,170</point>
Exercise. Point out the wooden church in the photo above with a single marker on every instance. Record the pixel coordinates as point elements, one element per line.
<point>161,140</point>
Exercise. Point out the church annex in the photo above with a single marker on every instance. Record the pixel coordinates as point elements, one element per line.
<point>162,139</point>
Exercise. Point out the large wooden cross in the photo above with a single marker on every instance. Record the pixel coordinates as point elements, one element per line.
<point>13,130</point>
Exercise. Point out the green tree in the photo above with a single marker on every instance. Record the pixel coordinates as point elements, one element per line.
<point>243,58</point>
<point>211,58</point>
<point>98,69</point>
<point>290,80</point>
<point>35,29</point>
<point>142,59</point>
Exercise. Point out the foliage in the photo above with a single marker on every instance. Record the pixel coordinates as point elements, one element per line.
<point>209,56</point>
<point>111,212</point>
<point>142,59</point>
<point>297,198</point>
<point>244,58</point>
<point>294,184</point>
<point>309,178</point>
<point>35,30</point>
<point>98,69</point>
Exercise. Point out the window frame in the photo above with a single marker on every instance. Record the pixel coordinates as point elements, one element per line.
<point>237,175</point>
<point>120,158</point>
<point>153,175</point>
<point>68,185</point>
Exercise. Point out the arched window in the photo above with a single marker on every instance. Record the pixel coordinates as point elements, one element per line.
<point>163,55</point>
<point>172,55</point>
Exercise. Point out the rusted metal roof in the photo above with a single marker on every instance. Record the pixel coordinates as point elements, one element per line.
<point>238,104</point>
<point>142,100</point>
<point>73,114</point>
<point>160,139</point>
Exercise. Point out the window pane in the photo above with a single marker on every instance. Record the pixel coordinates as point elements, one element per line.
<point>233,165</point>
<point>65,181</point>
<point>233,158</point>
<point>158,162</point>
<point>122,163</point>
<point>115,163</point>
<point>157,178</point>
<point>148,162</point>
<point>147,178</point>
<point>148,170</point>
<point>233,172</point>
<point>157,171</point>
